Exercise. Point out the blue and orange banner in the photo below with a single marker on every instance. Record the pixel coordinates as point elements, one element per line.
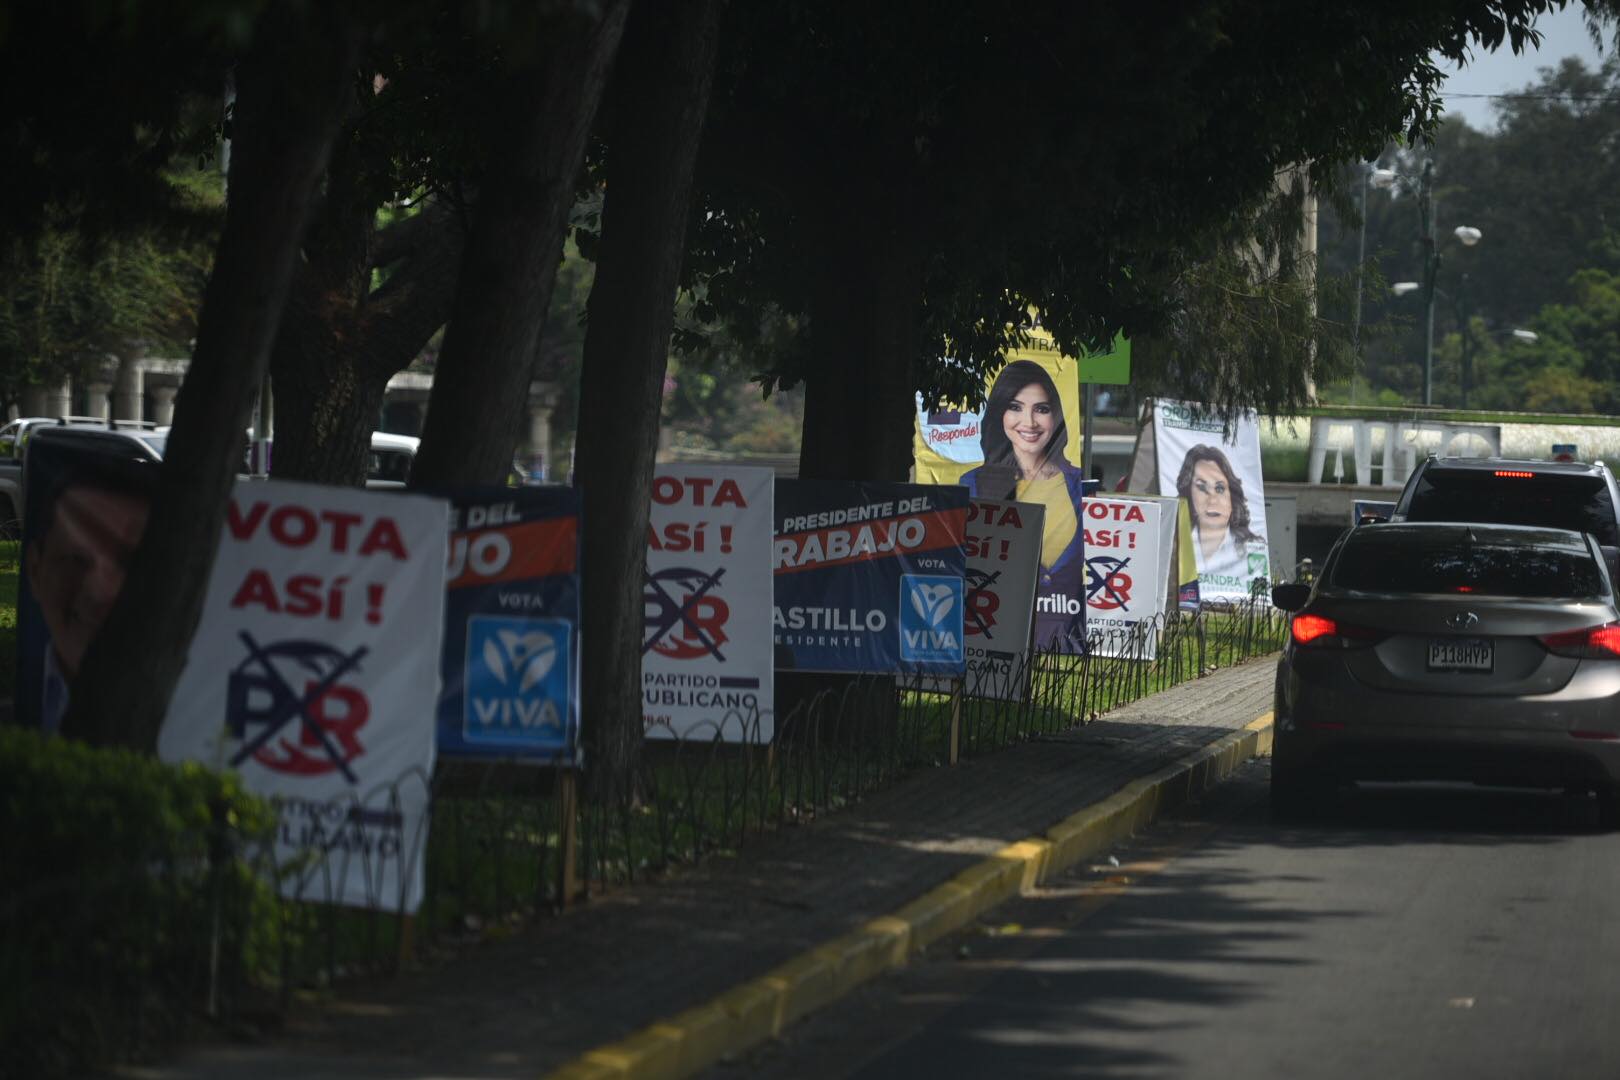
<point>510,662</point>
<point>869,577</point>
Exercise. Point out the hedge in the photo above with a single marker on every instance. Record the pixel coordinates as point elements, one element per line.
<point>127,906</point>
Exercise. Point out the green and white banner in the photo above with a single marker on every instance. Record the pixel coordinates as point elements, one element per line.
<point>1215,469</point>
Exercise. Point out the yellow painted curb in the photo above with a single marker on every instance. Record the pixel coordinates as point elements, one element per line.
<point>761,1008</point>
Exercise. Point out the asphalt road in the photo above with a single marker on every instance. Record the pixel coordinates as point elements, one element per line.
<point>1440,932</point>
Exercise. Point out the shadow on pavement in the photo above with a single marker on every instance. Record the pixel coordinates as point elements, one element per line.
<point>1119,986</point>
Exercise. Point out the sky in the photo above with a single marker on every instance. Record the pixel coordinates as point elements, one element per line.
<point>1501,72</point>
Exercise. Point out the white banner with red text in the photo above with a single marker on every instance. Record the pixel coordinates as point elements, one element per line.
<point>1003,559</point>
<point>314,674</point>
<point>1125,576</point>
<point>706,651</point>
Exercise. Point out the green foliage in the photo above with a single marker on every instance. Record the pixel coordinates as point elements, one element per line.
<point>101,97</point>
<point>1572,367</point>
<point>67,299</point>
<point>562,348</point>
<point>117,865</point>
<point>1544,190</point>
<point>1105,201</point>
<point>1245,326</point>
<point>710,402</point>
<point>1357,391</point>
<point>726,412</point>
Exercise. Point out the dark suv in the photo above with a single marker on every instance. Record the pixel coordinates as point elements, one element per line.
<point>1556,494</point>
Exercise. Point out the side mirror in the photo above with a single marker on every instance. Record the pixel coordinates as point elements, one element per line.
<point>1291,596</point>
<point>1371,518</point>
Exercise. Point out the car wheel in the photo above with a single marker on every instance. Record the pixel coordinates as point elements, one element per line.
<point>1297,794</point>
<point>1590,808</point>
<point>1608,809</point>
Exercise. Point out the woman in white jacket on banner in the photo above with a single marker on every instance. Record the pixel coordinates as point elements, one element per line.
<point>1222,538</point>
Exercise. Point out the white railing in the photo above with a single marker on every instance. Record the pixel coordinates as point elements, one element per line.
<point>1383,453</point>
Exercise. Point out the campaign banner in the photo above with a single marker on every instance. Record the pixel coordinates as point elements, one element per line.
<point>511,656</point>
<point>1003,558</point>
<point>1126,579</point>
<point>950,440</point>
<point>1187,598</point>
<point>948,443</point>
<point>1215,470</point>
<point>1030,453</point>
<point>86,509</point>
<point>706,659</point>
<point>1169,554</point>
<point>869,577</point>
<point>313,674</point>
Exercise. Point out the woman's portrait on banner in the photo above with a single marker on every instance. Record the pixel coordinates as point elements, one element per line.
<point>1213,466</point>
<point>1223,540</point>
<point>1023,435</point>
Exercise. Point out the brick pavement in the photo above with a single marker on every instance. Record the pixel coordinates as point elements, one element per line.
<point>520,1006</point>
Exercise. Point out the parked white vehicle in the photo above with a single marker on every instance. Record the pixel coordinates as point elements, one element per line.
<point>391,458</point>
<point>14,438</point>
<point>389,465</point>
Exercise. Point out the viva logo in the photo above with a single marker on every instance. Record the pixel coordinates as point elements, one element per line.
<point>517,682</point>
<point>931,619</point>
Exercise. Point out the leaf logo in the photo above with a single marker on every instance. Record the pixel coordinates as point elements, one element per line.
<point>933,602</point>
<point>527,657</point>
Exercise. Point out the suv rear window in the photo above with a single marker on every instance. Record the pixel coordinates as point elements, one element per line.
<point>390,465</point>
<point>1541,565</point>
<point>1580,503</point>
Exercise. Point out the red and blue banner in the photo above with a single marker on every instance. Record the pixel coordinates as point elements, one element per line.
<point>869,577</point>
<point>706,665</point>
<point>313,674</point>
<point>510,663</point>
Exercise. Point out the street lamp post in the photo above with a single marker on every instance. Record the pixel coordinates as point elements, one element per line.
<point>1361,259</point>
<point>1466,235</point>
<point>1431,269</point>
<point>1465,327</point>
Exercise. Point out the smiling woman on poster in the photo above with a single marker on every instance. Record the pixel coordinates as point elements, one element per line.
<point>1023,436</point>
<point>1222,537</point>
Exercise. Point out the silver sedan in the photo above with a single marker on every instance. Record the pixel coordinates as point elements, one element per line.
<point>1485,653</point>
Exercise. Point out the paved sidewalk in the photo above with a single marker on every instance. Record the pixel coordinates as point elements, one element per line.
<point>523,1006</point>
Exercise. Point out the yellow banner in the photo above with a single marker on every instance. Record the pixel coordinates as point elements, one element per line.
<point>948,442</point>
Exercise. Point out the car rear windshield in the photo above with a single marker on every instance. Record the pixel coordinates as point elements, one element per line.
<point>1552,501</point>
<point>1401,563</point>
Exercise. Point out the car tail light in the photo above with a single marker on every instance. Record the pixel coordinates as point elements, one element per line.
<point>1518,474</point>
<point>1588,643</point>
<point>1319,631</point>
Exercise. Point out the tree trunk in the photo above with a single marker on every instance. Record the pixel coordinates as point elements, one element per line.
<point>865,304</point>
<point>291,92</point>
<point>327,401</point>
<point>340,342</point>
<point>480,389</point>
<point>665,71</point>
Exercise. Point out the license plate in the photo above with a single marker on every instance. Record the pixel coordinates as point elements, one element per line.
<point>1461,654</point>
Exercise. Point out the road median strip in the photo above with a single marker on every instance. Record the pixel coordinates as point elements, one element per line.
<point>762,1008</point>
